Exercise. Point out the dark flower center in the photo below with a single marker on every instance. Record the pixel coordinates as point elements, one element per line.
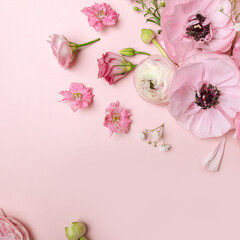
<point>207,97</point>
<point>197,29</point>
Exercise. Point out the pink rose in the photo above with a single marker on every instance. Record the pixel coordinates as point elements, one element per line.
<point>204,96</point>
<point>100,15</point>
<point>61,50</point>
<point>190,26</point>
<point>78,96</point>
<point>117,119</point>
<point>10,229</point>
<point>113,67</point>
<point>64,50</point>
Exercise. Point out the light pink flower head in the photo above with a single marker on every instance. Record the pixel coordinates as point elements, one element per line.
<point>61,50</point>
<point>113,67</point>
<point>10,229</point>
<point>100,15</point>
<point>78,96</point>
<point>152,78</point>
<point>117,119</point>
<point>204,96</point>
<point>236,52</point>
<point>237,125</point>
<point>192,25</point>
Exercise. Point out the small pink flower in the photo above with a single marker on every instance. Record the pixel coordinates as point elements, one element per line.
<point>100,15</point>
<point>11,229</point>
<point>61,50</point>
<point>117,119</point>
<point>236,52</point>
<point>78,96</point>
<point>190,26</point>
<point>113,67</point>
<point>237,125</point>
<point>64,50</point>
<point>204,96</point>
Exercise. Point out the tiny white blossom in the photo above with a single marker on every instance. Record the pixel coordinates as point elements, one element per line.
<point>237,27</point>
<point>164,148</point>
<point>155,135</point>
<point>142,136</point>
<point>220,8</point>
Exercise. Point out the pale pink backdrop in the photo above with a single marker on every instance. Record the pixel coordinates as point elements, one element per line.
<point>58,167</point>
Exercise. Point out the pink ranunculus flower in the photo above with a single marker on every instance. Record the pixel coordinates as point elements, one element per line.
<point>113,67</point>
<point>64,50</point>
<point>78,96</point>
<point>11,229</point>
<point>152,78</point>
<point>100,15</point>
<point>190,26</point>
<point>117,119</point>
<point>204,96</point>
<point>237,125</point>
<point>236,52</point>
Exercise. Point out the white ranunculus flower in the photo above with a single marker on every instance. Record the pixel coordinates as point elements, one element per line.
<point>152,78</point>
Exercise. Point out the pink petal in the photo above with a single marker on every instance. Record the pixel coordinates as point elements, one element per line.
<point>212,162</point>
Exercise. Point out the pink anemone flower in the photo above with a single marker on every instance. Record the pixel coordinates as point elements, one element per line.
<point>117,119</point>
<point>190,26</point>
<point>100,15</point>
<point>204,96</point>
<point>78,96</point>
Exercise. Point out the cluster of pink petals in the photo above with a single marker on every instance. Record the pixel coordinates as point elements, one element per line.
<point>61,50</point>
<point>178,15</point>
<point>236,52</point>
<point>237,125</point>
<point>100,15</point>
<point>117,119</point>
<point>10,229</point>
<point>78,96</point>
<point>110,67</point>
<point>221,72</point>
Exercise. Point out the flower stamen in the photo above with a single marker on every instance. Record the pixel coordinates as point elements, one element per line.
<point>207,97</point>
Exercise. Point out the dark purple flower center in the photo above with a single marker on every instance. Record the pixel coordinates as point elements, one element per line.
<point>197,29</point>
<point>207,97</point>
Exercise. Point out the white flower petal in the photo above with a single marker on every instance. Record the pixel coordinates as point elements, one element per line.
<point>212,162</point>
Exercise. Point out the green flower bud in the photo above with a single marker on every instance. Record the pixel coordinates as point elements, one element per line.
<point>75,231</point>
<point>127,52</point>
<point>147,35</point>
<point>82,238</point>
<point>162,3</point>
<point>137,9</point>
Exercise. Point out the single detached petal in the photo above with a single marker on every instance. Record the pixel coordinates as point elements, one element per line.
<point>212,162</point>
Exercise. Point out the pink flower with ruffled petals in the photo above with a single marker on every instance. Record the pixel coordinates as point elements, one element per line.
<point>61,50</point>
<point>113,67</point>
<point>11,229</point>
<point>117,119</point>
<point>100,15</point>
<point>190,26</point>
<point>236,52</point>
<point>204,96</point>
<point>237,125</point>
<point>78,96</point>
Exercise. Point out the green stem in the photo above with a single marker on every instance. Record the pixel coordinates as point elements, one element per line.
<point>136,52</point>
<point>159,48</point>
<point>155,128</point>
<point>87,43</point>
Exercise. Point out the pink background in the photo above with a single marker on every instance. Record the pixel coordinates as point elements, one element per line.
<point>58,167</point>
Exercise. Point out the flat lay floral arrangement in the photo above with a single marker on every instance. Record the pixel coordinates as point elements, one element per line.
<point>194,74</point>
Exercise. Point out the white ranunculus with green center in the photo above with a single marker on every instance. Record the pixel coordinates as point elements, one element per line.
<point>152,78</point>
